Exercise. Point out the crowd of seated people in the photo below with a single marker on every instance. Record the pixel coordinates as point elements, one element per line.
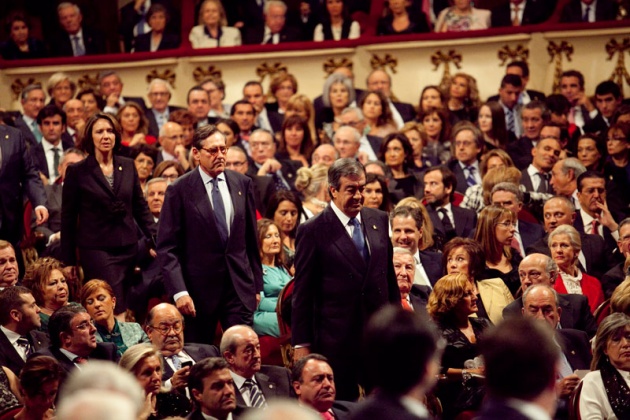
<point>467,212</point>
<point>147,26</point>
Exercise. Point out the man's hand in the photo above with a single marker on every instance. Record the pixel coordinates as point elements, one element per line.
<point>605,217</point>
<point>180,378</point>
<point>257,299</point>
<point>186,306</point>
<point>270,166</point>
<point>566,385</point>
<point>41,215</point>
<point>300,352</point>
<point>112,100</point>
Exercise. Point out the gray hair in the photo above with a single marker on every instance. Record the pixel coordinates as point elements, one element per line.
<point>574,236</point>
<point>283,409</point>
<point>551,268</point>
<point>65,4</point>
<point>573,164</point>
<point>138,353</point>
<point>509,187</point>
<point>270,3</point>
<point>565,200</point>
<point>153,181</point>
<point>228,340</point>
<point>334,79</point>
<point>28,89</point>
<point>344,167</point>
<point>541,286</point>
<point>107,73</point>
<point>609,327</point>
<point>162,82</point>
<point>355,133</point>
<point>57,78</point>
<point>354,109</point>
<point>623,223</point>
<point>401,250</point>
<point>97,405</point>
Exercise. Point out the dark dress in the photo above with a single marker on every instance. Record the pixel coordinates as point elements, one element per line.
<point>511,278</point>
<point>10,51</point>
<point>457,351</point>
<point>171,404</point>
<point>417,25</point>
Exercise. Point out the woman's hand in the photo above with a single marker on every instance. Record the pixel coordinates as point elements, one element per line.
<point>138,138</point>
<point>566,385</point>
<point>149,407</point>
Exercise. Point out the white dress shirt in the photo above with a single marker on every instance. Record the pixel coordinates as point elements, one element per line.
<point>50,158</point>
<point>13,337</point>
<point>421,276</point>
<point>238,384</point>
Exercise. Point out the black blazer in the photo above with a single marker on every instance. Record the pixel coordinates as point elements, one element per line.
<point>406,111</point>
<point>526,181</point>
<point>419,297</point>
<point>93,40</point>
<point>95,216</point>
<point>197,352</point>
<point>575,347</point>
<point>253,35</point>
<point>153,125</point>
<point>465,221</point>
<point>611,243</point>
<point>273,381</point>
<point>29,137</point>
<point>530,233</point>
<point>53,204</point>
<point>495,409</point>
<point>604,10</point>
<point>263,190</point>
<point>10,358</point>
<point>169,41</point>
<point>39,156</point>
<point>462,184</point>
<point>536,11</point>
<point>336,290</point>
<point>576,314</point>
<point>612,279</point>
<point>18,177</point>
<point>383,406</point>
<point>103,351</point>
<point>432,264</point>
<point>188,249</point>
<point>521,152</point>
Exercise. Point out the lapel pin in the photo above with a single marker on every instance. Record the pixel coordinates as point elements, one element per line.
<point>289,175</point>
<point>374,227</point>
<point>270,385</point>
<point>120,168</point>
<point>239,193</point>
<point>6,136</point>
<point>573,352</point>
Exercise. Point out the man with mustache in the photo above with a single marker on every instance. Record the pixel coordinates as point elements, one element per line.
<point>212,390</point>
<point>165,327</point>
<point>254,383</point>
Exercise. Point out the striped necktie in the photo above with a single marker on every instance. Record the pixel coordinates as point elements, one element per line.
<point>256,398</point>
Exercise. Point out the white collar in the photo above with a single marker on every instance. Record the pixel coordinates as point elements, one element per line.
<point>207,178</point>
<point>11,335</point>
<point>49,146</point>
<point>239,380</point>
<point>415,407</point>
<point>475,165</point>
<point>528,409</point>
<point>343,218</point>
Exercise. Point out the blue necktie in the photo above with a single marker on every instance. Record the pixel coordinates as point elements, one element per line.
<point>509,117</point>
<point>219,210</point>
<point>587,11</point>
<point>78,48</point>
<point>358,238</point>
<point>256,398</point>
<point>470,180</point>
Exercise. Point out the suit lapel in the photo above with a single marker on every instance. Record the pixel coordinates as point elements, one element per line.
<point>118,176</point>
<point>10,351</point>
<point>5,148</point>
<point>98,175</point>
<point>372,235</point>
<point>566,318</point>
<point>266,385</point>
<point>236,194</point>
<point>338,236</point>
<point>199,197</point>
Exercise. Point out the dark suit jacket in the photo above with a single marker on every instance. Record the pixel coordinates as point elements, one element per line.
<point>406,111</point>
<point>605,10</point>
<point>432,264</point>
<point>419,297</point>
<point>95,216</point>
<point>253,35</point>
<point>10,358</point>
<point>53,204</point>
<point>103,351</point>
<point>494,410</point>
<point>375,142</point>
<point>526,181</point>
<point>465,221</point>
<point>263,190</point>
<point>18,177</point>
<point>153,125</point>
<point>534,95</point>
<point>521,152</point>
<point>530,233</point>
<point>21,125</point>
<point>273,381</point>
<point>129,18</point>
<point>238,413</point>
<point>575,347</point>
<point>169,41</point>
<point>612,279</point>
<point>576,314</point>
<point>39,156</point>
<point>197,352</point>
<point>611,243</point>
<point>93,40</point>
<point>593,248</point>
<point>462,184</point>
<point>383,406</point>
<point>188,248</point>
<point>336,290</point>
<point>597,126</point>
<point>536,11</point>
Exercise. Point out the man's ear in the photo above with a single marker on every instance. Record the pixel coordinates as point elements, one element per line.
<point>15,315</point>
<point>228,356</point>
<point>196,395</point>
<point>296,388</point>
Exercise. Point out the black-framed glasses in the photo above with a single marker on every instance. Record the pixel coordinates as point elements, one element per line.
<point>85,325</point>
<point>214,151</point>
<point>164,329</point>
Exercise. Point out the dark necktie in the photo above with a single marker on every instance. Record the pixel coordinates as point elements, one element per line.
<point>509,119</point>
<point>446,222</point>
<point>358,238</point>
<point>256,398</point>
<point>587,11</point>
<point>470,180</point>
<point>544,179</point>
<point>26,345</point>
<point>270,40</point>
<point>219,210</point>
<point>56,160</point>
<point>78,48</point>
<point>278,182</point>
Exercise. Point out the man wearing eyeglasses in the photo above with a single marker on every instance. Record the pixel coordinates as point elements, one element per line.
<point>236,160</point>
<point>207,244</point>
<point>541,269</point>
<point>73,339</point>
<point>165,327</point>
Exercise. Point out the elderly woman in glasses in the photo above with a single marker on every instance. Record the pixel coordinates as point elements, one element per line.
<point>565,246</point>
<point>97,296</point>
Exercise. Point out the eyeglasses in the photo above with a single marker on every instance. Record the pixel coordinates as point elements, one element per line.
<point>507,224</point>
<point>164,329</point>
<point>85,325</point>
<point>214,151</point>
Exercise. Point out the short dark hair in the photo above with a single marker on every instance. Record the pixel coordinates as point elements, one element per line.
<point>539,105</point>
<point>202,369</point>
<point>143,148</point>
<point>586,175</point>
<point>203,133</point>
<point>511,79</point>
<point>406,211</point>
<point>195,89</point>
<point>521,65</point>
<point>241,102</point>
<point>38,371</point>
<point>50,111</point>
<point>406,145</point>
<point>10,299</point>
<point>530,343</point>
<point>344,167</point>
<point>157,8</point>
<point>277,198</point>
<point>414,340</point>
<point>298,367</point>
<point>87,143</point>
<point>576,74</point>
<point>476,256</point>
<point>60,322</point>
<point>558,104</point>
<point>608,86</point>
<point>448,178</point>
<point>230,123</point>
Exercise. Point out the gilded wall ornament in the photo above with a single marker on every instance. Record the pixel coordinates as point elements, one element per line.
<point>556,51</point>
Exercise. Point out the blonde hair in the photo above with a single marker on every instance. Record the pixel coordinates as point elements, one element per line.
<point>446,294</point>
<point>309,180</point>
<point>57,78</point>
<point>427,226</point>
<point>301,101</point>
<point>620,299</point>
<point>497,175</point>
<point>486,232</point>
<point>222,17</point>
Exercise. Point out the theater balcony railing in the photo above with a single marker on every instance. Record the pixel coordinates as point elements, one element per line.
<point>598,50</point>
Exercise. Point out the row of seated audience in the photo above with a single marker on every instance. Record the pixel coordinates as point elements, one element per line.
<point>515,210</point>
<point>151,26</point>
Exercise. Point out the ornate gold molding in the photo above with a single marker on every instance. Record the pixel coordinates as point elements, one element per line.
<point>520,53</point>
<point>87,82</point>
<point>388,61</point>
<point>331,65</point>
<point>620,74</point>
<point>451,56</point>
<point>555,51</point>
<point>265,69</point>
<point>211,72</point>
<point>18,85</point>
<point>167,75</point>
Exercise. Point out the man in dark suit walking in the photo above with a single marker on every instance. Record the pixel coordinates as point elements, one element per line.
<point>207,244</point>
<point>255,384</point>
<point>344,273</point>
<point>19,321</point>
